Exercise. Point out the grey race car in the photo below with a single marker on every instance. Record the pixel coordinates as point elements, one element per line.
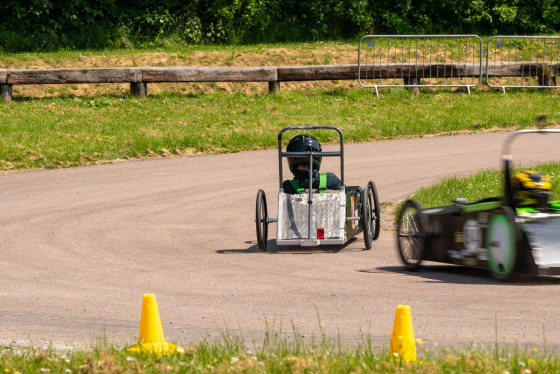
<point>494,233</point>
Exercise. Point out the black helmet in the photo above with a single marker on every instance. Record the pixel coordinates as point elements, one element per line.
<point>531,189</point>
<point>303,143</point>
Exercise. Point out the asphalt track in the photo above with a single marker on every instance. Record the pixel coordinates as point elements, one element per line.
<point>79,247</point>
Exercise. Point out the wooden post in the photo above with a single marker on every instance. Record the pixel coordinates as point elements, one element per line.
<point>139,89</point>
<point>273,87</point>
<point>412,80</point>
<point>6,92</point>
<point>546,78</point>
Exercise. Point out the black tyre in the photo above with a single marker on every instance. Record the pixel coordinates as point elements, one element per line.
<point>261,221</point>
<point>411,235</point>
<point>502,239</point>
<point>375,211</point>
<point>365,218</point>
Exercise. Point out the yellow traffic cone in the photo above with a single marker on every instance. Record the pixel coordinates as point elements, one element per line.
<point>402,341</point>
<point>150,337</point>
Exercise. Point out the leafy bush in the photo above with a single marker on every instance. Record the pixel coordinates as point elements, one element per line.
<point>48,24</point>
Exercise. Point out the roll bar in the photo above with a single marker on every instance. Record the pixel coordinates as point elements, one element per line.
<point>339,153</point>
<point>509,140</point>
<point>508,162</point>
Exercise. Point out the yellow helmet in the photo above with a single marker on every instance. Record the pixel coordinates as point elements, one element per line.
<point>531,189</point>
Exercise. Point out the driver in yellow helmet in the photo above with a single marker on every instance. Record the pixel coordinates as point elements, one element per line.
<point>531,190</point>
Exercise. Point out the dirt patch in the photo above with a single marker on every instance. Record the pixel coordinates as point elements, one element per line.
<point>388,219</point>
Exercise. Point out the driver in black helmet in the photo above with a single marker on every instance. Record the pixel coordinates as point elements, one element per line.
<point>299,166</point>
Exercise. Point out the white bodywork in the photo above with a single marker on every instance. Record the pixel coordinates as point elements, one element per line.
<point>328,213</point>
<point>543,231</point>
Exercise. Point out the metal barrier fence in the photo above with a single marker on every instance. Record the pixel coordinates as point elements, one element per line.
<point>420,61</point>
<point>523,61</point>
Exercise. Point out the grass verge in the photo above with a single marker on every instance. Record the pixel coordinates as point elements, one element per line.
<point>488,183</point>
<point>232,355</point>
<point>72,130</point>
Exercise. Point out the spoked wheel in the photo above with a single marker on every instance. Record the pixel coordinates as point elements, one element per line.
<point>370,215</point>
<point>411,234</point>
<point>367,226</point>
<point>262,221</point>
<point>375,211</point>
<point>501,244</point>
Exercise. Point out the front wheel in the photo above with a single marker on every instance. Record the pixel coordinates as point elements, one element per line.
<point>261,221</point>
<point>501,244</point>
<point>411,237</point>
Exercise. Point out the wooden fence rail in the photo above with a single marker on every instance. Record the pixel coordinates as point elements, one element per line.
<point>139,77</point>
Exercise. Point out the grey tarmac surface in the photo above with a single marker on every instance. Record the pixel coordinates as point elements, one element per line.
<point>79,247</point>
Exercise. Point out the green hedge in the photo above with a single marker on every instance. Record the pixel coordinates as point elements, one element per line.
<point>29,25</point>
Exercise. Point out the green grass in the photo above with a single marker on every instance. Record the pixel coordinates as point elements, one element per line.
<point>69,130</point>
<point>232,355</point>
<point>488,183</point>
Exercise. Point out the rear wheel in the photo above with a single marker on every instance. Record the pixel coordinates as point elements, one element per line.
<point>411,237</point>
<point>375,211</point>
<point>261,221</point>
<point>501,244</point>
<point>367,226</point>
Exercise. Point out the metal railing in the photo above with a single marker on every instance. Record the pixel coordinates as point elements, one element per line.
<point>523,61</point>
<point>420,61</point>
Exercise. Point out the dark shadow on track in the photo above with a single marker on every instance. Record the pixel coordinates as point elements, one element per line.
<point>296,250</point>
<point>463,275</point>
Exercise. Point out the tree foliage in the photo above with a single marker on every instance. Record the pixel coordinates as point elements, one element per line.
<point>55,24</point>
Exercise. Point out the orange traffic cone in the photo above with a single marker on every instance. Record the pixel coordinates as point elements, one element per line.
<point>150,337</point>
<point>402,340</point>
